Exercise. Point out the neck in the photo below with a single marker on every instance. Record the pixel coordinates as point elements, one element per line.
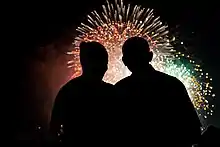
<point>92,77</point>
<point>147,69</point>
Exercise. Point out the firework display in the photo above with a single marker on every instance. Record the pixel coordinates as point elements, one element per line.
<point>117,23</point>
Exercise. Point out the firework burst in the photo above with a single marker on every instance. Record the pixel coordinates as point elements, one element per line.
<point>117,23</point>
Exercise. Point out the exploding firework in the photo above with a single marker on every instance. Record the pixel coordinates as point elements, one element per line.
<point>117,23</point>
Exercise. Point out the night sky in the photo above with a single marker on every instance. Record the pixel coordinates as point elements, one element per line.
<point>197,26</point>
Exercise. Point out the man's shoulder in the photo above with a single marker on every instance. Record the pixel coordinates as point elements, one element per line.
<point>107,87</point>
<point>168,78</point>
<point>71,84</point>
<point>123,81</point>
<point>108,84</point>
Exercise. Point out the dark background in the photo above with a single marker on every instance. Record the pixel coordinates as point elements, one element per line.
<point>198,27</point>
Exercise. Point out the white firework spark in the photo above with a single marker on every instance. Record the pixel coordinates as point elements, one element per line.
<point>116,24</point>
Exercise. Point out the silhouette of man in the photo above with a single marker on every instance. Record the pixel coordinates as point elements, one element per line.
<point>83,105</point>
<point>156,108</point>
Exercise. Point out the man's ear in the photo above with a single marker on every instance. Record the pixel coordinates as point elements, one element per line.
<point>150,56</point>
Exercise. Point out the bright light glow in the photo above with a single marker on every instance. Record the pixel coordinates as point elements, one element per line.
<point>117,23</point>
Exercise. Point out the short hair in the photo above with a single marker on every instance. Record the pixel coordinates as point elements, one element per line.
<point>93,53</point>
<point>135,46</point>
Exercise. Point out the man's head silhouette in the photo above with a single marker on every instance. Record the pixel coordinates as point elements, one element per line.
<point>94,59</point>
<point>136,53</point>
